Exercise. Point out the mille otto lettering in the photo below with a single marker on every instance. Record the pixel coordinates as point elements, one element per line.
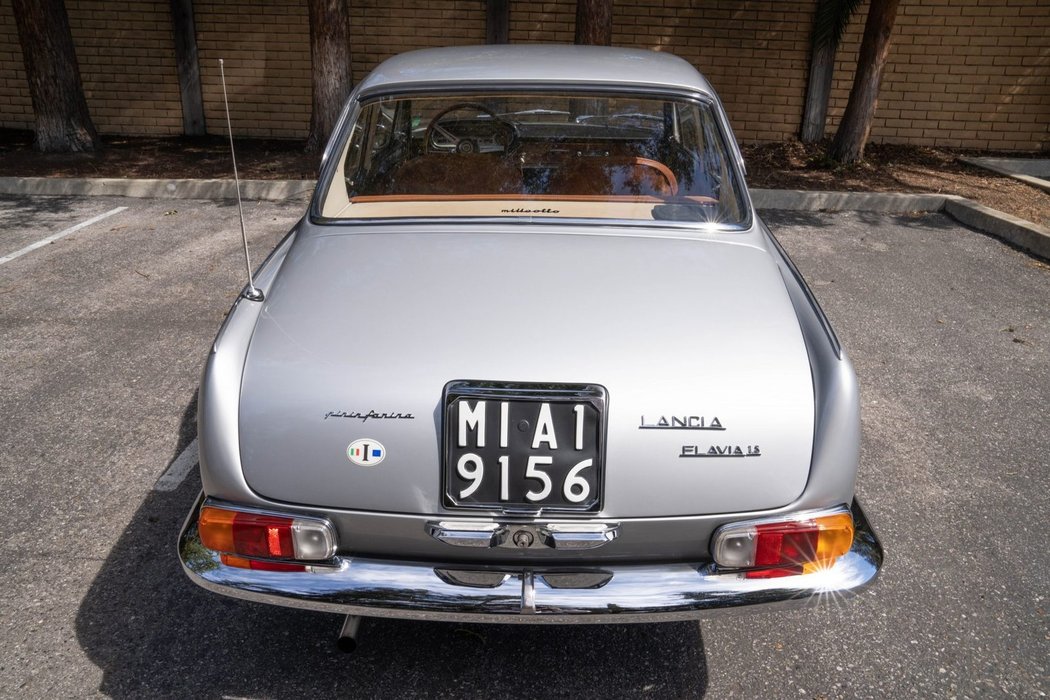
<point>370,415</point>
<point>701,452</point>
<point>530,211</point>
<point>681,423</point>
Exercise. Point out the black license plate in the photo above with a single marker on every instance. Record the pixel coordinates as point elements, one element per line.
<point>524,446</point>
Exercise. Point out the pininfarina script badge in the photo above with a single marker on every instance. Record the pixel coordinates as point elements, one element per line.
<point>373,415</point>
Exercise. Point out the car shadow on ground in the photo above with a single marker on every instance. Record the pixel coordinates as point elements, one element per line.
<point>155,634</point>
<point>821,219</point>
<point>792,217</point>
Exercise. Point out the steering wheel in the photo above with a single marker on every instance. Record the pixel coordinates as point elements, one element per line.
<point>501,132</point>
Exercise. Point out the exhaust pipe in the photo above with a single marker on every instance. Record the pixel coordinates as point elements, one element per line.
<point>347,641</point>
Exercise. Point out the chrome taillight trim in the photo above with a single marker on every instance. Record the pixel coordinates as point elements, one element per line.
<point>743,527</point>
<point>324,524</point>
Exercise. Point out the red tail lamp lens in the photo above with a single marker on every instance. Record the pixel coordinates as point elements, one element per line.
<point>785,543</point>
<point>263,536</point>
<point>246,534</point>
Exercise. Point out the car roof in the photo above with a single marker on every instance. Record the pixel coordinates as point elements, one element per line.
<point>517,64</point>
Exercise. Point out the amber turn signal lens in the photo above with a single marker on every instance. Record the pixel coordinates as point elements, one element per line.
<point>834,538</point>
<point>215,527</point>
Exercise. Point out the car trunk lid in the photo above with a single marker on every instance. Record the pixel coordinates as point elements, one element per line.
<point>710,398</point>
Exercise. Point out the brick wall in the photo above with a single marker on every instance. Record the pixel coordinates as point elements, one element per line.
<point>265,45</point>
<point>541,22</point>
<point>962,73</point>
<point>380,29</point>
<point>16,109</point>
<point>754,53</point>
<point>965,73</point>
<point>127,65</point>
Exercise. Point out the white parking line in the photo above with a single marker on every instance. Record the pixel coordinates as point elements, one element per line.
<point>178,469</point>
<point>61,234</point>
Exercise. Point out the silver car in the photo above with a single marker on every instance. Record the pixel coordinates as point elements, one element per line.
<point>531,356</point>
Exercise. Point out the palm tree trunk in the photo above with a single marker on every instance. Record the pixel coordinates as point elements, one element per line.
<point>497,22</point>
<point>63,124</point>
<point>594,22</point>
<point>330,54</point>
<point>815,113</point>
<point>853,132</point>
<point>830,19</point>
<point>188,65</point>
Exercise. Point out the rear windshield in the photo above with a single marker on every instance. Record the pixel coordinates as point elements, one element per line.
<point>536,155</point>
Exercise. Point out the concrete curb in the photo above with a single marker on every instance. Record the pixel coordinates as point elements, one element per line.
<point>1023,234</point>
<point>1009,167</point>
<point>270,190</point>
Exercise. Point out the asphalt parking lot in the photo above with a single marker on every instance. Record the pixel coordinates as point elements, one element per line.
<point>102,336</point>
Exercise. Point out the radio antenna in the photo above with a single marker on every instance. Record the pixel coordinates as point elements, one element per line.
<point>252,294</point>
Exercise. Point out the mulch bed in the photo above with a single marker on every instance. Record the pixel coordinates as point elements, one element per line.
<point>891,168</point>
<point>164,158</point>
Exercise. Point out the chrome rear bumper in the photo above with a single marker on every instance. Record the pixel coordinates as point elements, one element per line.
<point>592,594</point>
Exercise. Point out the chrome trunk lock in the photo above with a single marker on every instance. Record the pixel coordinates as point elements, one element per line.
<point>523,539</point>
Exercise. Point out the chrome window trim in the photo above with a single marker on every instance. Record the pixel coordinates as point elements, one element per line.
<point>341,133</point>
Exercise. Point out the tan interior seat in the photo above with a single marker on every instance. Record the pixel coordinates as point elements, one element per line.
<point>629,175</point>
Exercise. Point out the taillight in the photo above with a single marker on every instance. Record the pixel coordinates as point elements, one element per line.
<point>799,545</point>
<point>240,534</point>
